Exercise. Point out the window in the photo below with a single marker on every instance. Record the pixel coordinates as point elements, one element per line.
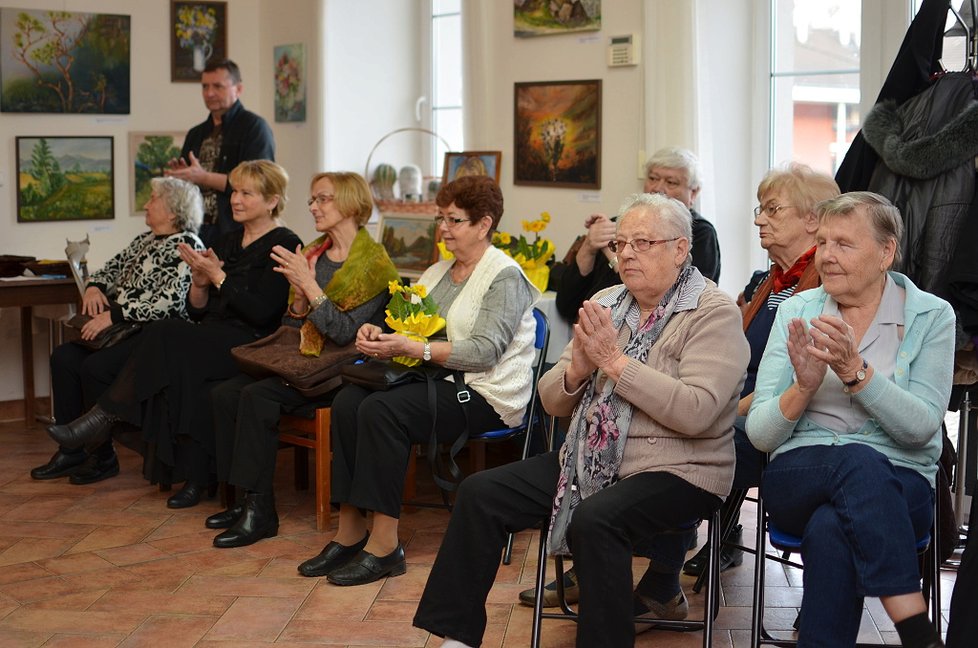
<point>814,82</point>
<point>446,79</point>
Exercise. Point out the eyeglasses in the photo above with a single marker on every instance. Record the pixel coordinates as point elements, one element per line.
<point>639,244</point>
<point>450,222</point>
<point>770,210</point>
<point>321,199</point>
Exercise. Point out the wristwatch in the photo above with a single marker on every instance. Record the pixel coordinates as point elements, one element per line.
<point>426,355</point>
<point>860,376</point>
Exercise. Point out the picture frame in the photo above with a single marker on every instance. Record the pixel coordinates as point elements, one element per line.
<point>290,82</point>
<point>549,18</point>
<point>34,45</point>
<point>198,35</point>
<point>557,134</point>
<point>411,240</point>
<point>149,153</point>
<point>458,164</point>
<point>65,178</point>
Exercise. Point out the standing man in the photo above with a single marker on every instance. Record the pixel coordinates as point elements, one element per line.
<point>229,136</point>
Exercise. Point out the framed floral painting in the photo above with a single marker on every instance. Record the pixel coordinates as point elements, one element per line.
<point>198,35</point>
<point>290,83</point>
<point>557,128</point>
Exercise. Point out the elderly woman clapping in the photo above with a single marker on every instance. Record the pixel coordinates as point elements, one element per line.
<point>146,281</point>
<point>649,447</point>
<point>850,397</point>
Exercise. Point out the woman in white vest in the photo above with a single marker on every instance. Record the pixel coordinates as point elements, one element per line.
<point>487,302</point>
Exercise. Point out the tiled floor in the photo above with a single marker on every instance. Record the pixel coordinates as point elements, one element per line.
<point>110,565</point>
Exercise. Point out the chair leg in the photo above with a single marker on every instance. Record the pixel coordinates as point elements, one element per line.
<point>541,580</point>
<point>757,614</point>
<point>301,468</point>
<point>323,466</point>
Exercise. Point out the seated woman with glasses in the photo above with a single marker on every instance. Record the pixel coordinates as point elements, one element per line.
<point>850,397</point>
<point>339,283</point>
<point>487,303</point>
<point>649,448</point>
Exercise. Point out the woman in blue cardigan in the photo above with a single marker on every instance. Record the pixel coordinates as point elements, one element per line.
<point>850,397</point>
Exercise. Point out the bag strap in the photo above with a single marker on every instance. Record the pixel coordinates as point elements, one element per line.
<point>434,459</point>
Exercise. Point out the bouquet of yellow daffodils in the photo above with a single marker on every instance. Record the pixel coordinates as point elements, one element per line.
<point>413,314</point>
<point>532,256</point>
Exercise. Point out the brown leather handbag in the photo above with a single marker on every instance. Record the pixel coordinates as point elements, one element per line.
<point>278,355</point>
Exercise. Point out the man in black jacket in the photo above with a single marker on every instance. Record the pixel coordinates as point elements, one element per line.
<point>230,135</point>
<point>672,171</point>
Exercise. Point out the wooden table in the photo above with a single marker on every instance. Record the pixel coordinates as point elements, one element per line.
<point>25,294</point>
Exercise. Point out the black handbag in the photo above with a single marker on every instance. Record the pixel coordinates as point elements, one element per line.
<point>278,355</point>
<point>111,335</point>
<point>382,375</point>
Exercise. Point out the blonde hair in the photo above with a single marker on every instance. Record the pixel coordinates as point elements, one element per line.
<point>351,194</point>
<point>269,179</point>
<point>805,186</point>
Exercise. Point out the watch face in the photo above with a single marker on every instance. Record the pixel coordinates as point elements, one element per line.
<point>861,375</point>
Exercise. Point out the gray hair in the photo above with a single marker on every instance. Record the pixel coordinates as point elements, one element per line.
<point>883,217</point>
<point>674,215</point>
<point>183,200</point>
<point>674,157</point>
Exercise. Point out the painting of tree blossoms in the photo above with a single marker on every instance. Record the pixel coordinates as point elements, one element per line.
<point>557,128</point>
<point>64,62</point>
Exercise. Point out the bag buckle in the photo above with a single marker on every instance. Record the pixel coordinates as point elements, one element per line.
<point>463,396</point>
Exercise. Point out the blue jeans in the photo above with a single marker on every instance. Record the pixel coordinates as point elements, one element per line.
<point>859,517</point>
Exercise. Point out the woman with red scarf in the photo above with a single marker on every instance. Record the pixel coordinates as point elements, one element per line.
<point>786,222</point>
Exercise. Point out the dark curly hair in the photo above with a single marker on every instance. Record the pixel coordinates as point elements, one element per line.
<point>478,196</point>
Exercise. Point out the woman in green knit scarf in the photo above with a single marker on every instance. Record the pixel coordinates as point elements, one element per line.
<point>339,282</point>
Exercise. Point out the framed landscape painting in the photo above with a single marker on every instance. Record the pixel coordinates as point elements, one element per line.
<point>198,35</point>
<point>465,163</point>
<point>545,17</point>
<point>411,241</point>
<point>64,62</point>
<point>557,128</point>
<point>149,154</point>
<point>64,178</point>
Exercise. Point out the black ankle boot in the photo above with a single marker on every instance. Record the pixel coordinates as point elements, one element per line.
<point>92,427</point>
<point>225,519</point>
<point>260,520</point>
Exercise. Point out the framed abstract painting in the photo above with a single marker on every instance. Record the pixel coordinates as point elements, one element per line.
<point>557,132</point>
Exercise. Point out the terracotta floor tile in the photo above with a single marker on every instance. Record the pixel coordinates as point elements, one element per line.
<point>151,602</point>
<point>356,633</point>
<point>255,618</point>
<point>347,603</point>
<point>64,640</point>
<point>22,572</point>
<point>131,554</point>
<point>13,638</point>
<point>78,601</point>
<point>41,508</point>
<point>31,549</point>
<point>169,632</point>
<point>73,563</point>
<point>110,536</point>
<point>258,586</point>
<point>73,622</point>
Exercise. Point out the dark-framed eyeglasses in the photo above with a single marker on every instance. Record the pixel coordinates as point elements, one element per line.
<point>449,221</point>
<point>770,210</point>
<point>638,244</point>
<point>321,199</point>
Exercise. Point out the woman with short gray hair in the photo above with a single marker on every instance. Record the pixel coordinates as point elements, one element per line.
<point>145,282</point>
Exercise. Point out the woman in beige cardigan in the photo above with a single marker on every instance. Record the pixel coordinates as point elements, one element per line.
<point>650,444</point>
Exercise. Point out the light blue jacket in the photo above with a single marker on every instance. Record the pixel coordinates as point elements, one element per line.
<point>906,411</point>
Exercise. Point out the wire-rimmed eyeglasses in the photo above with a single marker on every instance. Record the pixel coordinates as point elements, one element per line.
<point>770,210</point>
<point>639,244</point>
<point>321,199</point>
<point>449,221</point>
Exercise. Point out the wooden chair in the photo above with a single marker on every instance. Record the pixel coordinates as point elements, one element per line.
<point>307,434</point>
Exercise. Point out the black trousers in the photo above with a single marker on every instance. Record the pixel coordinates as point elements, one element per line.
<point>372,434</point>
<point>603,531</point>
<point>246,415</point>
<point>79,376</point>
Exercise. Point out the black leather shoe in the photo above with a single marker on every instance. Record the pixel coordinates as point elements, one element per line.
<point>92,427</point>
<point>187,496</point>
<point>333,556</point>
<point>260,520</point>
<point>225,519</point>
<point>367,568</point>
<point>729,556</point>
<point>96,469</point>
<point>60,464</point>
